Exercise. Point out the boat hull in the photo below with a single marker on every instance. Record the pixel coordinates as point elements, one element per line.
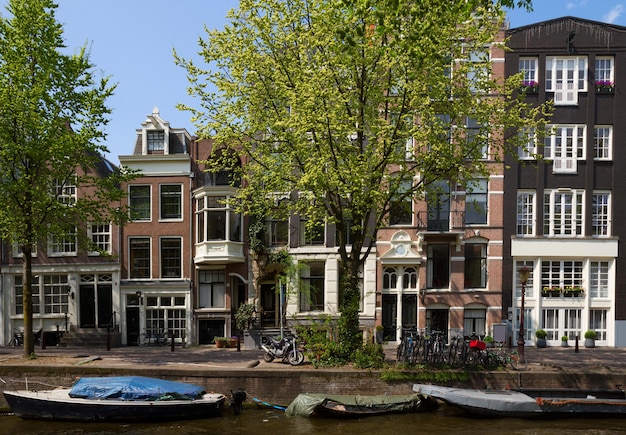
<point>59,406</point>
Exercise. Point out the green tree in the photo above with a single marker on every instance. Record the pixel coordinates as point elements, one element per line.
<point>52,109</point>
<point>321,96</point>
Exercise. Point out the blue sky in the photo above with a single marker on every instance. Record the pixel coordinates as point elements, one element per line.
<point>132,41</point>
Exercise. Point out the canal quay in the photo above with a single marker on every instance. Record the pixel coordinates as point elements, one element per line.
<point>225,370</point>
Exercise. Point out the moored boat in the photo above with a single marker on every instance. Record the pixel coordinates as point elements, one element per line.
<point>117,399</point>
<point>530,402</point>
<point>346,406</point>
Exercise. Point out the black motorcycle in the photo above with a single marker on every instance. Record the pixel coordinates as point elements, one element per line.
<point>286,349</point>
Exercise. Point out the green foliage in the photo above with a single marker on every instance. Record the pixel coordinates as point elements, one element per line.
<point>429,375</point>
<point>320,98</point>
<point>591,334</point>
<point>540,333</point>
<point>244,315</point>
<point>488,339</point>
<point>371,356</point>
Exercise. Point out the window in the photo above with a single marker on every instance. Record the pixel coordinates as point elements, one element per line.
<point>600,214</point>
<point>100,236</point>
<point>277,231</point>
<point>18,291</point>
<point>476,138</point>
<point>166,313</point>
<point>139,202</point>
<point>65,191</point>
<point>573,323</point>
<point>478,69</point>
<point>216,220</point>
<point>171,260</point>
<point>139,258</point>
<point>409,278</point>
<point>156,140</point>
<point>565,146</point>
<point>529,150</point>
<point>561,274</point>
<point>475,321</point>
<point>597,322</point>
<point>55,293</point>
<point>475,265</point>
<point>171,201</point>
<point>476,202</point>
<point>528,67</point>
<point>525,221</point>
<point>550,323</point>
<point>602,142</point>
<point>311,234</point>
<point>212,290</point>
<point>563,213</point>
<point>438,199</point>
<point>599,279</point>
<point>604,70</point>
<point>401,207</point>
<point>566,77</point>
<point>529,284</point>
<point>390,278</point>
<point>438,266</point>
<point>63,245</point>
<point>312,287</point>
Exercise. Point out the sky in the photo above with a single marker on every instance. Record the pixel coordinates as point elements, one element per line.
<point>131,41</point>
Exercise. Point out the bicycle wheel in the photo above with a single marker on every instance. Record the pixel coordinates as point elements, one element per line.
<point>517,361</point>
<point>143,340</point>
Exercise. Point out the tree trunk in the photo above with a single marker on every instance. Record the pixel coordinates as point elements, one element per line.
<point>27,275</point>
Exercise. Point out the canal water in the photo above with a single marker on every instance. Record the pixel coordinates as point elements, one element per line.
<point>444,421</point>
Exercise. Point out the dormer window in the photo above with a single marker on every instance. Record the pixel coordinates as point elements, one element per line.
<point>156,140</point>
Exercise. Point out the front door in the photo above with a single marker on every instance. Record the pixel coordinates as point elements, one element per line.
<point>390,317</point>
<point>268,305</point>
<point>87,300</point>
<point>105,307</point>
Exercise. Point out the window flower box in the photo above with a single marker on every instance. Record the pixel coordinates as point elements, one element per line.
<point>529,87</point>
<point>604,87</point>
<point>573,291</point>
<point>551,292</point>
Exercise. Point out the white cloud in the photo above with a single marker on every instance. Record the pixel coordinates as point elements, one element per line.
<point>575,5</point>
<point>613,14</point>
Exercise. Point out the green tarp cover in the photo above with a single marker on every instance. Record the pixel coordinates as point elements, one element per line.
<point>304,404</point>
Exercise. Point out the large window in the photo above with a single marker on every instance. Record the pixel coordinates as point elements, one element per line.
<point>49,294</point>
<point>100,236</point>
<point>565,146</point>
<point>475,265</point>
<point>171,201</point>
<point>401,207</point>
<point>604,70</point>
<point>212,289</point>
<point>476,202</point>
<point>599,279</point>
<point>438,266</point>
<point>601,214</point>
<point>529,150</point>
<point>528,288</point>
<point>561,274</point>
<point>156,140</point>
<point>525,220</point>
<point>566,77</point>
<point>597,322</point>
<point>166,313</point>
<point>311,234</point>
<point>563,213</point>
<point>139,258</point>
<point>603,142</point>
<point>64,245</point>
<point>277,230</point>
<point>139,202</point>
<point>475,322</point>
<point>312,287</point>
<point>216,220</point>
<point>171,260</point>
<point>573,323</point>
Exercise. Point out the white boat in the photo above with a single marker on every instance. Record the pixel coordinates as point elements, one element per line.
<point>117,399</point>
<point>530,403</point>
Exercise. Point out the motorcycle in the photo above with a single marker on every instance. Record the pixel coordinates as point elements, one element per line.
<point>286,349</point>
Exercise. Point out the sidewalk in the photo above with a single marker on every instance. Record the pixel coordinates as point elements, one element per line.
<point>208,356</point>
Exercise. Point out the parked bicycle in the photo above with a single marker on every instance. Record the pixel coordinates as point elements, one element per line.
<point>158,338</point>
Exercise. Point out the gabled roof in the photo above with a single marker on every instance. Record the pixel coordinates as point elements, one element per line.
<point>569,22</point>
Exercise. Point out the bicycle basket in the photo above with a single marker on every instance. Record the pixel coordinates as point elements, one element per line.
<point>478,345</point>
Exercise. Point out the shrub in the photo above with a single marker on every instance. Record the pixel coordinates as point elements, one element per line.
<point>371,356</point>
<point>591,334</point>
<point>564,338</point>
<point>541,333</point>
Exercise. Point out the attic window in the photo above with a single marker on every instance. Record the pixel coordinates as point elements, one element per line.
<point>156,140</point>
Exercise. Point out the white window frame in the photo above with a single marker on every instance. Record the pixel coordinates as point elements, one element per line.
<point>601,214</point>
<point>526,213</point>
<point>181,202</point>
<point>131,205</point>
<point>529,135</point>
<point>100,236</point>
<point>212,289</point>
<point>528,66</point>
<point>599,279</point>
<point>603,142</point>
<point>566,77</point>
<point>565,144</point>
<point>63,245</point>
<point>605,69</point>
<point>563,213</point>
<point>177,274</point>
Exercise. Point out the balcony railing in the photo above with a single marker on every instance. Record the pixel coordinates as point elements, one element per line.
<point>453,221</point>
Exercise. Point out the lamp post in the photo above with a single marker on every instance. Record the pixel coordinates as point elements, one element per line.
<point>524,273</point>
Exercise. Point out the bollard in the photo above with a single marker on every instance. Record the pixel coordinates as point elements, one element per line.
<point>172,336</point>
<point>576,347</point>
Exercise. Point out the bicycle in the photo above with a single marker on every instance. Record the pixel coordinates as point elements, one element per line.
<point>511,357</point>
<point>158,338</point>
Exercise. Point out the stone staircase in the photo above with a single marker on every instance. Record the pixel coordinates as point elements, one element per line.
<point>90,337</point>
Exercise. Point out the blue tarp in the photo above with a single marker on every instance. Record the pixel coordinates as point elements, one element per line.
<point>134,388</point>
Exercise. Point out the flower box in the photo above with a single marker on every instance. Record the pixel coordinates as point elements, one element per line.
<point>604,87</point>
<point>529,87</point>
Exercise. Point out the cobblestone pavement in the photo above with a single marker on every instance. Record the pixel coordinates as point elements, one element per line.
<point>208,356</point>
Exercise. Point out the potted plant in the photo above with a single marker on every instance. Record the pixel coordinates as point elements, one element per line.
<point>572,291</point>
<point>380,334</point>
<point>590,338</point>
<point>221,341</point>
<point>529,86</point>
<point>541,335</point>
<point>488,340</point>
<point>564,341</point>
<point>604,87</point>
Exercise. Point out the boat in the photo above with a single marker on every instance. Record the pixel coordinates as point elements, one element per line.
<point>530,403</point>
<point>346,406</point>
<point>117,399</point>
<point>263,404</point>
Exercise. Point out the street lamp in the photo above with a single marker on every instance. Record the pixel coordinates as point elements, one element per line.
<point>524,273</point>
